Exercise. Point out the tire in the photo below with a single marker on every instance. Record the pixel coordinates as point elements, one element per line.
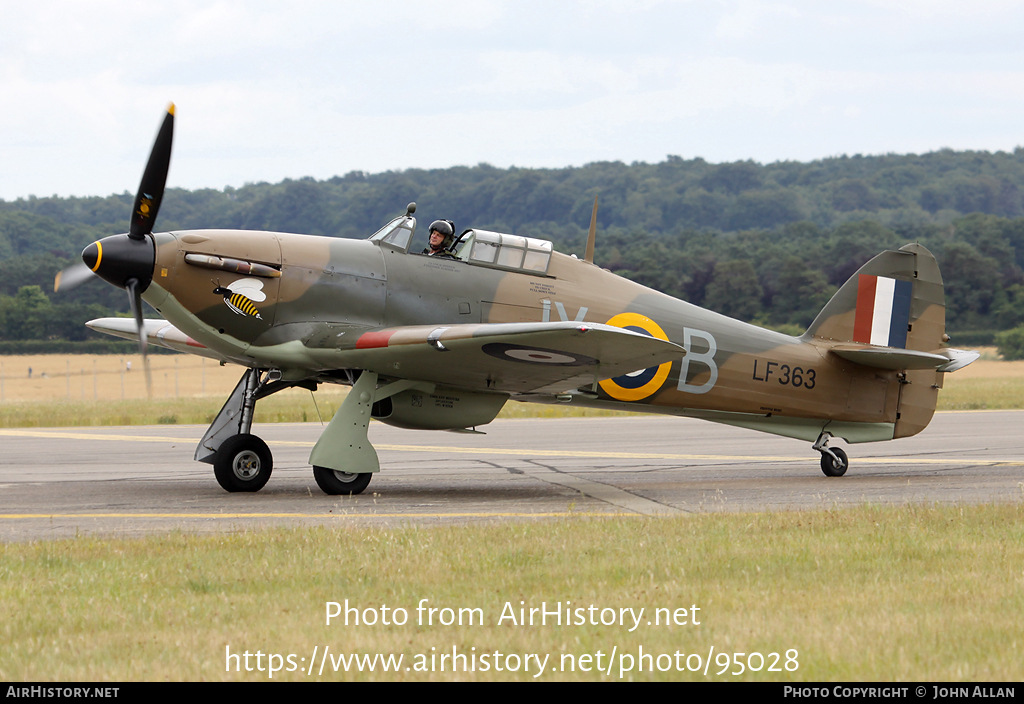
<point>335,482</point>
<point>243,463</point>
<point>829,466</point>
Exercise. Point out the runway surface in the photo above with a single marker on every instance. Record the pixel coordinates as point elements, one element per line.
<point>57,482</point>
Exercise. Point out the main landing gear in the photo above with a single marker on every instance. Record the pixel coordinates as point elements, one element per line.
<point>334,481</point>
<point>834,461</point>
<point>243,462</point>
<point>343,459</point>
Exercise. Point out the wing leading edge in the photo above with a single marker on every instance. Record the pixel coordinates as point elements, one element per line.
<point>158,332</point>
<point>507,357</point>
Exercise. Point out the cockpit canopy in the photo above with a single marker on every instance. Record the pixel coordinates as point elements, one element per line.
<point>501,251</point>
<point>494,250</point>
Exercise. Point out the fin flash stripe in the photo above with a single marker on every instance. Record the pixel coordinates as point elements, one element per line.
<point>883,311</point>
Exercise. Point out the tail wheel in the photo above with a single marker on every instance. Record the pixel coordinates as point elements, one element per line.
<point>243,463</point>
<point>335,482</point>
<point>833,468</point>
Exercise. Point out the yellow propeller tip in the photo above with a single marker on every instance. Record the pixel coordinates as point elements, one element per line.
<point>56,281</point>
<point>171,109</point>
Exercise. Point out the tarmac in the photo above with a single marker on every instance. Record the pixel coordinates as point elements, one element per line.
<point>138,480</point>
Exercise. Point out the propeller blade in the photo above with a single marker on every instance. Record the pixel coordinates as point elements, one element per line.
<point>135,300</point>
<point>149,375</point>
<point>591,235</point>
<point>151,188</point>
<point>71,277</point>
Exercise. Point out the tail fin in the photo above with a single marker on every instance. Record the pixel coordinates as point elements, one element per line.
<point>895,301</point>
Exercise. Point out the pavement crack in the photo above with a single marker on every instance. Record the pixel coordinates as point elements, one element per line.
<point>510,470</point>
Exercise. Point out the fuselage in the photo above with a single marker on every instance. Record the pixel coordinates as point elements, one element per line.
<point>329,291</point>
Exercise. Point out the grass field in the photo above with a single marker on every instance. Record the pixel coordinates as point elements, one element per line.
<point>69,390</point>
<point>865,594</point>
<point>73,377</point>
<point>917,592</point>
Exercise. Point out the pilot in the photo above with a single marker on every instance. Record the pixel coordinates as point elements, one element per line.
<point>442,234</point>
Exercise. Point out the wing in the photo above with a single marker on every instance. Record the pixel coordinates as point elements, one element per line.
<point>511,357</point>
<point>158,332</point>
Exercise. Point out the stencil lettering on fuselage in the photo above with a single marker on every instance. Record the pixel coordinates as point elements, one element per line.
<point>706,359</point>
<point>640,384</point>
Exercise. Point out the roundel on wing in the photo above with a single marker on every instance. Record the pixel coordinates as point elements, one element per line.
<point>643,382</point>
<point>536,355</point>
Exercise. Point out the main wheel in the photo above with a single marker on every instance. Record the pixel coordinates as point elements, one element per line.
<point>243,463</point>
<point>334,482</point>
<point>830,467</point>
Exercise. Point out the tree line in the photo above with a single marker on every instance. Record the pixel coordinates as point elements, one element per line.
<point>764,243</point>
<point>897,191</point>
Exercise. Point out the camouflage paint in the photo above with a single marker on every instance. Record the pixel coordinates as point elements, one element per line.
<point>332,292</point>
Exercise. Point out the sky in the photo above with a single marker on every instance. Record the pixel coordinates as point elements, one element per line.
<point>268,90</point>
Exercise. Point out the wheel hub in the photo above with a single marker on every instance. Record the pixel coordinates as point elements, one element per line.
<point>246,465</point>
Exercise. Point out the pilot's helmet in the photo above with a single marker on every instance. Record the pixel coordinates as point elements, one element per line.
<point>447,230</point>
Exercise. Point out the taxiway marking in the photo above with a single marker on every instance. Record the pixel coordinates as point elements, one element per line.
<point>558,514</point>
<point>532,452</point>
